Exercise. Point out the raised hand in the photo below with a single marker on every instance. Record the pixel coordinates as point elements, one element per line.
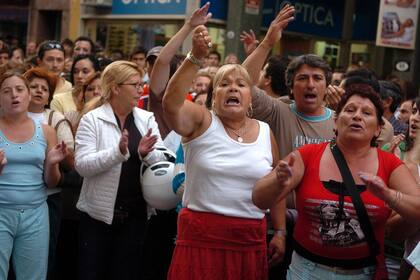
<point>249,40</point>
<point>201,42</point>
<point>57,153</point>
<point>3,160</point>
<point>333,96</point>
<point>284,170</point>
<point>275,30</point>
<point>123,142</point>
<point>200,16</point>
<point>393,147</point>
<point>147,143</point>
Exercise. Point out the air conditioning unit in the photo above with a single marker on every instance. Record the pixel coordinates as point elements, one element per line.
<point>102,3</point>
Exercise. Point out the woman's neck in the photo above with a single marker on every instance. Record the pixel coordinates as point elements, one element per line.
<point>353,149</point>
<point>15,119</point>
<point>120,110</point>
<point>234,124</point>
<point>33,108</point>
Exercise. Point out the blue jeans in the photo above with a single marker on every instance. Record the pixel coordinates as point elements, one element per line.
<point>302,269</point>
<point>24,236</point>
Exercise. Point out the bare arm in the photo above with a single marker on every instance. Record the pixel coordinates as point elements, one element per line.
<point>185,117</point>
<point>275,186</point>
<point>54,154</point>
<point>255,61</point>
<point>160,73</point>
<point>403,194</point>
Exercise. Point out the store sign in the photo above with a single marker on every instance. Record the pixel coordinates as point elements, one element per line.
<point>397,24</point>
<point>149,7</point>
<point>402,66</point>
<point>317,17</point>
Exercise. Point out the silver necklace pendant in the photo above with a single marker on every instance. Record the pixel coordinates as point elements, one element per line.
<point>240,139</point>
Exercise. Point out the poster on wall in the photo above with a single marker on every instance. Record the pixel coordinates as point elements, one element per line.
<point>397,23</point>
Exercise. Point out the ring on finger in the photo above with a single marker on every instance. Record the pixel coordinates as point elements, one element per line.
<point>209,45</point>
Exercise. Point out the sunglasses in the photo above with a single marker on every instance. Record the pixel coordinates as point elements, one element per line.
<point>51,46</point>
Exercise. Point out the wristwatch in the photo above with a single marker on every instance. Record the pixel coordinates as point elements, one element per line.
<point>193,59</point>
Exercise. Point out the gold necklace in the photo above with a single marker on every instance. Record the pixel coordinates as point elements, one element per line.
<point>239,138</point>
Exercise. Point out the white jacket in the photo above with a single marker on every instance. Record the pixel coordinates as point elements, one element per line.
<point>98,158</point>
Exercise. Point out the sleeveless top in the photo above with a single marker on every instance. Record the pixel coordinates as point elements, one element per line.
<point>221,172</point>
<point>21,181</point>
<point>320,229</point>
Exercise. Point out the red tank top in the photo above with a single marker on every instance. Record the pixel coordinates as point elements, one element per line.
<point>321,228</point>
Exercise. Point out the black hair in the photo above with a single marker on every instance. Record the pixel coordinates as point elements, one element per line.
<point>137,50</point>
<point>276,69</point>
<point>49,45</point>
<point>92,59</point>
<point>362,76</point>
<point>87,39</point>
<point>390,89</point>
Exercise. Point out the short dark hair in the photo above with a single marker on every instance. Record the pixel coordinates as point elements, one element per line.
<point>390,89</point>
<point>410,141</point>
<point>49,45</point>
<point>365,91</point>
<point>5,49</point>
<point>87,39</point>
<point>276,69</point>
<point>92,59</point>
<point>216,53</point>
<point>362,76</point>
<point>137,50</point>
<point>311,60</point>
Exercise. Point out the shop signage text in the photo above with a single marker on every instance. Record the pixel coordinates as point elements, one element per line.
<point>127,2</point>
<point>314,14</point>
<point>149,7</point>
<point>315,17</point>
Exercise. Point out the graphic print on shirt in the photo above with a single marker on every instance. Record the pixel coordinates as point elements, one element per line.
<point>334,226</point>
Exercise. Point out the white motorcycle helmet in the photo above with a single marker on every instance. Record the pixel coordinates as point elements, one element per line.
<point>156,181</point>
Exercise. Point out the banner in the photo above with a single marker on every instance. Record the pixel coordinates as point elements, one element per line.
<point>397,23</point>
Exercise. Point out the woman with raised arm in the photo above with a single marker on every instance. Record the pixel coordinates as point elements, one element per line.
<point>29,157</point>
<point>332,236</point>
<point>226,152</point>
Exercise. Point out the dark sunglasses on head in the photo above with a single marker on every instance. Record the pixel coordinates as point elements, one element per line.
<point>51,46</point>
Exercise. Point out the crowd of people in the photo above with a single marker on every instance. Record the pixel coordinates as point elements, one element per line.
<point>283,168</point>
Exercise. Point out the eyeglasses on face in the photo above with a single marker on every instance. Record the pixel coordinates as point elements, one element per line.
<point>138,86</point>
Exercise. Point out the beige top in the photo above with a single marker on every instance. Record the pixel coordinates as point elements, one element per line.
<point>63,103</point>
<point>67,86</point>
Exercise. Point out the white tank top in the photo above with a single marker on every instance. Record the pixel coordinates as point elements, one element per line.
<point>221,173</point>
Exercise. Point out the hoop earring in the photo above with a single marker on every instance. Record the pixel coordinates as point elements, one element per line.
<point>250,111</point>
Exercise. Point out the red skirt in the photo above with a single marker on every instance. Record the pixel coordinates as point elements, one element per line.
<point>215,247</point>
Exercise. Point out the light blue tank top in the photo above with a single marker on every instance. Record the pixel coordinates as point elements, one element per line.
<point>21,181</point>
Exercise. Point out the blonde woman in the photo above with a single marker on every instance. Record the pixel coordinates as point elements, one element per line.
<point>112,141</point>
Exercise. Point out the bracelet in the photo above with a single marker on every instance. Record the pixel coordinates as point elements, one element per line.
<point>280,232</point>
<point>193,59</point>
<point>396,200</point>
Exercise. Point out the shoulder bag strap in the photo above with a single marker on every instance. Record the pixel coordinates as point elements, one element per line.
<point>50,117</point>
<point>357,201</point>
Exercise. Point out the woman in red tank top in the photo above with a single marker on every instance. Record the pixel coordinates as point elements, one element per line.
<point>329,239</point>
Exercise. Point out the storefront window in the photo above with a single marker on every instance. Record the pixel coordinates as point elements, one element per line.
<point>126,36</point>
<point>359,55</point>
<point>330,52</point>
